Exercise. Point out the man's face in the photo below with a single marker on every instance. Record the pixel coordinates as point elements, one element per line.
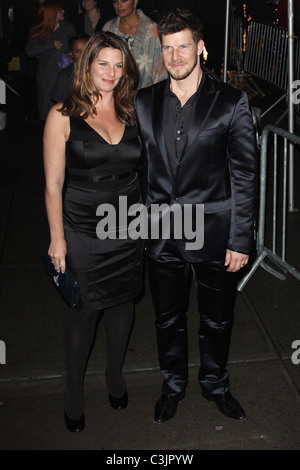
<point>180,53</point>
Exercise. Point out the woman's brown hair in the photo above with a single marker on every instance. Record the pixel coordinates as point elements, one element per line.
<point>46,19</point>
<point>84,94</point>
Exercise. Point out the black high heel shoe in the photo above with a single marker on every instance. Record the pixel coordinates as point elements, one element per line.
<point>118,403</point>
<point>73,425</point>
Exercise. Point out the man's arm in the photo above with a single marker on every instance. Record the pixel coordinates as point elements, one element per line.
<point>242,155</point>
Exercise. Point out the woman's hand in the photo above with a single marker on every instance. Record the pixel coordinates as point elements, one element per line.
<point>57,252</point>
<point>57,44</point>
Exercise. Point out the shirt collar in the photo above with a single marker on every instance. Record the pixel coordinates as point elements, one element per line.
<point>170,93</point>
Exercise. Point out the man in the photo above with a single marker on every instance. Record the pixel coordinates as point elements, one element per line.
<point>200,148</point>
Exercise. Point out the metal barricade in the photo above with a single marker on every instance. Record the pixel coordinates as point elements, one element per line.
<point>266,54</point>
<point>266,57</point>
<point>279,259</point>
<point>297,66</point>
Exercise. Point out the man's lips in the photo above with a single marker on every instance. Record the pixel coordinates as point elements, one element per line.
<point>176,64</point>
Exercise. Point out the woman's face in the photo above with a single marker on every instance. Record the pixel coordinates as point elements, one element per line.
<point>107,69</point>
<point>60,15</point>
<point>89,4</point>
<point>124,8</point>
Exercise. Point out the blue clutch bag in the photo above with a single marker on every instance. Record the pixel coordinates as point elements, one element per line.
<point>65,282</point>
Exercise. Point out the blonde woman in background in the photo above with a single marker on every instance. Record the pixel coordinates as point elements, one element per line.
<point>140,34</point>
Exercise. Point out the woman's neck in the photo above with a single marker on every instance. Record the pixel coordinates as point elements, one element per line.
<point>93,14</point>
<point>129,24</point>
<point>105,101</point>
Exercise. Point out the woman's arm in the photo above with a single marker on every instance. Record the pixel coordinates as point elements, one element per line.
<point>38,46</point>
<point>56,133</point>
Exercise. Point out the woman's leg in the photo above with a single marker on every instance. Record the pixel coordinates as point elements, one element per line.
<point>118,323</point>
<point>79,335</point>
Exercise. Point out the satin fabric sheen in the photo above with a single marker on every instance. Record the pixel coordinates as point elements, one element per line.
<point>109,272</point>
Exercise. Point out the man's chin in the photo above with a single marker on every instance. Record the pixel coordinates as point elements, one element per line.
<point>179,76</point>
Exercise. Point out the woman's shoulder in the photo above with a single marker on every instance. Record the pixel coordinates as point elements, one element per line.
<point>55,115</point>
<point>57,125</point>
<point>111,25</point>
<point>144,19</point>
<point>69,27</point>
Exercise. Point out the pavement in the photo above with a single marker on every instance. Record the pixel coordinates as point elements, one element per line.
<point>265,375</point>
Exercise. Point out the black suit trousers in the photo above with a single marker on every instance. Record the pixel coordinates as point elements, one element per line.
<point>170,276</point>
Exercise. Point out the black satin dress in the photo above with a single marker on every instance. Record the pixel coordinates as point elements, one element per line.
<point>109,271</point>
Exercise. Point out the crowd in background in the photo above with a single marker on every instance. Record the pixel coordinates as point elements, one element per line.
<point>18,17</point>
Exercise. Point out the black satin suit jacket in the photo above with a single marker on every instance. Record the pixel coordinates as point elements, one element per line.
<point>217,168</point>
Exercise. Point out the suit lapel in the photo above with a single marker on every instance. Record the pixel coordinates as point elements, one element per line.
<point>205,103</point>
<point>157,122</point>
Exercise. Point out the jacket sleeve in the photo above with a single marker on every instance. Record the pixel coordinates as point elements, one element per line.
<point>142,167</point>
<point>38,46</point>
<point>242,156</point>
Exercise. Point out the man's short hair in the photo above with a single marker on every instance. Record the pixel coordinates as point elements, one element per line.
<point>177,20</point>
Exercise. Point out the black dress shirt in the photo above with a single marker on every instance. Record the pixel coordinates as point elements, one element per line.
<point>177,121</point>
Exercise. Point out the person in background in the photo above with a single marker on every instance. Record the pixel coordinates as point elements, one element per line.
<point>93,137</point>
<point>95,13</point>
<point>140,34</point>
<point>62,85</point>
<point>49,43</point>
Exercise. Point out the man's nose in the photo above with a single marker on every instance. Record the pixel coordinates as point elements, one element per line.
<point>176,53</point>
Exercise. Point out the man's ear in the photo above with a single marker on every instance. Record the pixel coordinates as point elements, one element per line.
<point>200,47</point>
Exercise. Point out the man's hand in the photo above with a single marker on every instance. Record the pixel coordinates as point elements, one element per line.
<point>235,261</point>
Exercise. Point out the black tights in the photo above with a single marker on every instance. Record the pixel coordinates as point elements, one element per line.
<point>79,336</point>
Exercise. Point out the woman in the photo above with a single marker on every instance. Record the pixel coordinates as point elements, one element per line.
<point>93,133</point>
<point>49,42</point>
<point>140,33</point>
<point>93,16</point>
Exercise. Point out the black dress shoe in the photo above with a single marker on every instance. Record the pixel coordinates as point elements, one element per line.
<point>166,407</point>
<point>118,403</point>
<point>227,404</point>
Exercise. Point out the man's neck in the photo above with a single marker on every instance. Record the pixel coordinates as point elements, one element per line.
<point>185,88</point>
